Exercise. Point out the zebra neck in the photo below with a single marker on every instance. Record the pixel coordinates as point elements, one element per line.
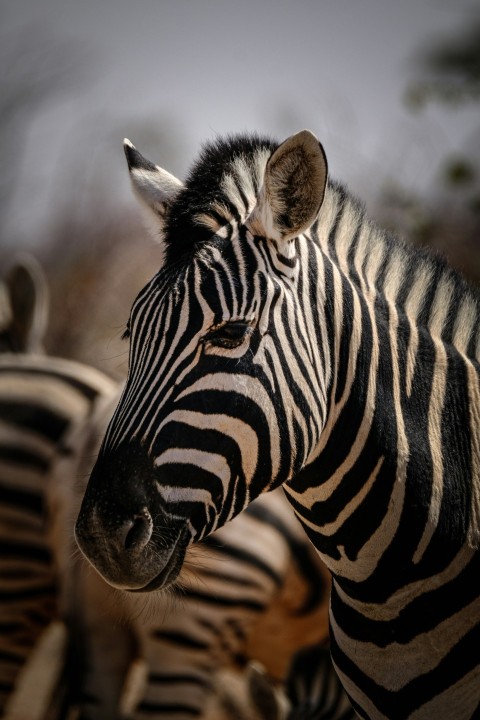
<point>395,476</point>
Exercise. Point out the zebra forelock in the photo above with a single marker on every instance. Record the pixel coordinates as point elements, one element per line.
<point>221,187</point>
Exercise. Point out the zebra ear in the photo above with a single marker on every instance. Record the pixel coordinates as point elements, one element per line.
<point>293,189</point>
<point>27,297</point>
<point>154,187</point>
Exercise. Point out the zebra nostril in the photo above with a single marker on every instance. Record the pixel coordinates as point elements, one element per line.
<point>140,531</point>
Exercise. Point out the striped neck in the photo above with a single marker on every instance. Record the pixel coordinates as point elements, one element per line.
<point>391,476</point>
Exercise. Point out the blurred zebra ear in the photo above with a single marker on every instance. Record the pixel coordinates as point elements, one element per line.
<point>154,187</point>
<point>26,295</point>
<point>293,189</point>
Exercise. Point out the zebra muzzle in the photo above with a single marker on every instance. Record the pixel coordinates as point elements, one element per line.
<point>124,527</point>
<point>140,553</point>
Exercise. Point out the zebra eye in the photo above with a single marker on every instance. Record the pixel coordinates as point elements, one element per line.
<point>230,335</point>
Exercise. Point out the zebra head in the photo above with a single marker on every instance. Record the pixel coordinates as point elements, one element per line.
<point>216,407</point>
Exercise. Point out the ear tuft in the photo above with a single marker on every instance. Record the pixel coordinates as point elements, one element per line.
<point>135,159</point>
<point>293,188</point>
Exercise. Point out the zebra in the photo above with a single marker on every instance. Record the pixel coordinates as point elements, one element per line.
<point>32,426</point>
<point>41,400</point>
<point>287,340</point>
<point>313,688</point>
<point>53,413</point>
<point>24,306</point>
<point>254,591</point>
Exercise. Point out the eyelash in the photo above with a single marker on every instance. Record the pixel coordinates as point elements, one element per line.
<point>229,336</point>
<point>241,330</point>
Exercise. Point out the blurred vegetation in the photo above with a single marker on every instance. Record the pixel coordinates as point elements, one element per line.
<point>34,67</point>
<point>94,281</point>
<point>449,69</point>
<point>447,73</point>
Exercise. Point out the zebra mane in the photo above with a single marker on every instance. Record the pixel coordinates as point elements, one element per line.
<point>445,301</point>
<point>221,186</point>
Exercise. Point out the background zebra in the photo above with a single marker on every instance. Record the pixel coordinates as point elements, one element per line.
<point>314,689</point>
<point>24,306</point>
<point>288,341</point>
<point>41,400</point>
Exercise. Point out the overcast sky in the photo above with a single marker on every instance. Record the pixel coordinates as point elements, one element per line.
<point>338,67</point>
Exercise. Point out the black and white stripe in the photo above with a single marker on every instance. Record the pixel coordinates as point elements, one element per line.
<point>41,399</point>
<point>314,690</point>
<point>286,340</point>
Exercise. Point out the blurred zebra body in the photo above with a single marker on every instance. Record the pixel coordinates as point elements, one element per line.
<point>41,400</point>
<point>313,687</point>
<point>286,340</point>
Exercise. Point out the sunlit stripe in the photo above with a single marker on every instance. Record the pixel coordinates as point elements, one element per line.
<point>235,428</point>
<point>413,306</point>
<point>474,418</point>
<point>414,660</point>
<point>211,462</point>
<point>466,322</point>
<point>250,388</point>
<point>439,315</point>
<point>385,612</point>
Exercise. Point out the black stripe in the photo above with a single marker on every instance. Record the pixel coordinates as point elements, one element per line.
<point>243,556</point>
<point>25,458</point>
<point>148,708</point>
<point>178,679</point>
<point>181,639</point>
<point>23,499</point>
<point>82,386</point>
<point>225,602</point>
<point>35,417</point>
<point>19,596</point>
<point>19,550</point>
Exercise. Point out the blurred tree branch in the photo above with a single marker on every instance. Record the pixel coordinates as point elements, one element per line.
<point>450,70</point>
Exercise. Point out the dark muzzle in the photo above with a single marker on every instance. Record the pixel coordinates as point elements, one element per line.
<point>123,527</point>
